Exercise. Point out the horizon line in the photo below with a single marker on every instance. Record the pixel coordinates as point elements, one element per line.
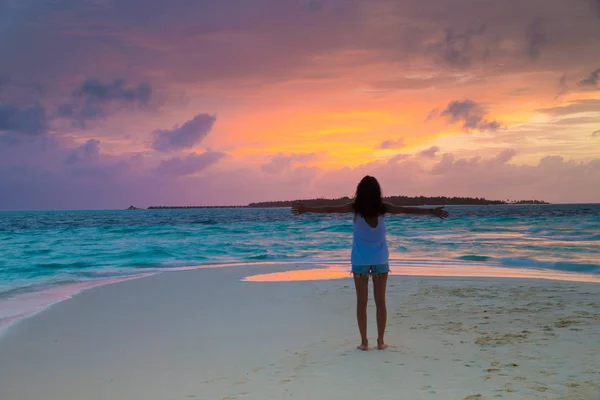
<point>199,207</point>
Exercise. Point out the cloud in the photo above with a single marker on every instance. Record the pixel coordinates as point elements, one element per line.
<point>457,50</point>
<point>190,164</point>
<point>45,181</point>
<point>167,43</point>
<point>553,178</point>
<point>575,107</point>
<point>430,152</point>
<point>471,114</point>
<point>592,79</point>
<point>282,162</point>
<point>496,178</point>
<point>398,157</point>
<point>505,156</point>
<point>93,90</point>
<point>185,136</point>
<point>563,87</point>
<point>87,151</point>
<point>30,120</point>
<point>94,99</point>
<point>392,144</point>
<point>536,39</point>
<point>432,114</point>
<point>446,162</point>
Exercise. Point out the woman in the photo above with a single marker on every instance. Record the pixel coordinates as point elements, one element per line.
<point>370,254</point>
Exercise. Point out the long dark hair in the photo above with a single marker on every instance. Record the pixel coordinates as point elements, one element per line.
<point>368,202</point>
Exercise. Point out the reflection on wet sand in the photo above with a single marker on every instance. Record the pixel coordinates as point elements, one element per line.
<point>337,272</point>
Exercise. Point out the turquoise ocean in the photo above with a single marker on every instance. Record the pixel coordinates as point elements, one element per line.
<point>42,250</point>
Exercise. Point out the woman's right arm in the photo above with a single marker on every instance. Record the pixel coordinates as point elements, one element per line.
<point>300,208</point>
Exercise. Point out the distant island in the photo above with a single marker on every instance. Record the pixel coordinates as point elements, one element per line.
<point>399,200</point>
<point>173,207</point>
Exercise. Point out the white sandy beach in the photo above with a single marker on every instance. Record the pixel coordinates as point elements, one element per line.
<point>205,334</point>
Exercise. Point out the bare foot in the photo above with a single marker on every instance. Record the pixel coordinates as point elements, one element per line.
<point>381,345</point>
<point>364,346</point>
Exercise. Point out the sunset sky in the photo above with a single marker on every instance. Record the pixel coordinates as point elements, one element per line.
<point>107,103</point>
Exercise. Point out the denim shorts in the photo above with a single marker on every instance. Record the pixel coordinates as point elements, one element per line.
<point>371,269</point>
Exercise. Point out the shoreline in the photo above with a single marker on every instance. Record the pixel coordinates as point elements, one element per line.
<point>212,333</point>
<point>21,307</point>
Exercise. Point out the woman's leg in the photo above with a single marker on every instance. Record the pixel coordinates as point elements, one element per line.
<point>379,286</point>
<point>361,282</point>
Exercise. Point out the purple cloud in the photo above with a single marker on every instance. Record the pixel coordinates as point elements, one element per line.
<point>184,136</point>
<point>398,157</point>
<point>430,152</point>
<point>30,121</point>
<point>457,49</point>
<point>282,162</point>
<point>392,144</point>
<point>505,156</point>
<point>592,79</point>
<point>94,99</point>
<point>446,162</point>
<point>93,90</point>
<point>471,114</point>
<point>37,178</point>
<point>87,151</point>
<point>189,165</point>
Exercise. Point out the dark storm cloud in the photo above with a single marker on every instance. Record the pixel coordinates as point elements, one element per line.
<point>184,136</point>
